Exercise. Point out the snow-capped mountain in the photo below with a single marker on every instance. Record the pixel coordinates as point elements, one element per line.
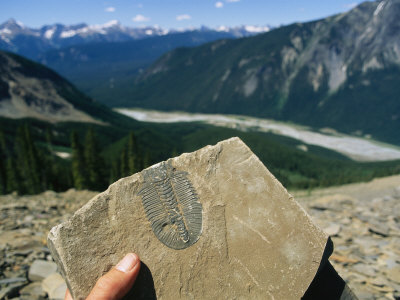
<point>30,42</point>
<point>340,72</point>
<point>244,30</point>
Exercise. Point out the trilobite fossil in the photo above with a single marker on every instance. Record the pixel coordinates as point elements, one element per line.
<point>172,206</point>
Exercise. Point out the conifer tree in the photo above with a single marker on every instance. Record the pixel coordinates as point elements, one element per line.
<point>13,183</point>
<point>94,162</point>
<point>174,153</point>
<point>28,161</point>
<point>38,182</point>
<point>49,140</point>
<point>21,163</point>
<point>123,163</point>
<point>132,155</point>
<point>3,179</point>
<point>146,160</point>
<point>3,147</point>
<point>115,171</point>
<point>50,168</point>
<point>78,163</point>
<point>3,160</point>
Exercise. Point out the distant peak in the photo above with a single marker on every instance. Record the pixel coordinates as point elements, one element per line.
<point>256,29</point>
<point>222,28</point>
<point>111,23</point>
<point>12,23</point>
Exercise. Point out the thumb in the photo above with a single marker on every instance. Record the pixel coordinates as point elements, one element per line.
<point>118,281</point>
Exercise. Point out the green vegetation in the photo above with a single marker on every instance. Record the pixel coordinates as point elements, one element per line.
<point>36,155</point>
<point>27,168</point>
<point>30,165</point>
<point>293,167</point>
<point>373,100</point>
<point>78,163</point>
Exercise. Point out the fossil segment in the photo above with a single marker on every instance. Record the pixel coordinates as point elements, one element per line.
<point>172,206</point>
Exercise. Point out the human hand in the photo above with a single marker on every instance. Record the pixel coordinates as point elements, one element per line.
<point>117,282</point>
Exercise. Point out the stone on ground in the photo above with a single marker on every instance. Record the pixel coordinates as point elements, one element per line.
<point>55,286</point>
<point>255,241</point>
<point>332,229</point>
<point>33,291</point>
<point>40,269</point>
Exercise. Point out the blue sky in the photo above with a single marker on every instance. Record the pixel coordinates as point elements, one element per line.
<point>171,13</point>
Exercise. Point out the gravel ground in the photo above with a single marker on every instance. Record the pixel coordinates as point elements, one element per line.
<point>363,220</point>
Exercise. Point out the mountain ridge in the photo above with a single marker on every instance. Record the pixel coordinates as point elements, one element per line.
<point>31,90</point>
<point>324,73</point>
<point>30,42</point>
<point>104,69</point>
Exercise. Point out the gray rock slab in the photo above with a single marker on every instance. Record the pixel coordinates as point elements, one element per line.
<point>55,286</point>
<point>333,229</point>
<point>13,280</point>
<point>40,269</point>
<point>11,291</point>
<point>255,242</point>
<point>33,291</point>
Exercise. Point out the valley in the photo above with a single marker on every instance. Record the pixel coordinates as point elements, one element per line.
<point>356,148</point>
<point>235,82</point>
<point>339,72</point>
<point>46,124</point>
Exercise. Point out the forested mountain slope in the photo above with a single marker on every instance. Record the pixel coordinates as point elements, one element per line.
<point>341,72</point>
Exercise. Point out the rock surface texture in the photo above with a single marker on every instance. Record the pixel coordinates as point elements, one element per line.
<point>24,224</point>
<point>255,242</point>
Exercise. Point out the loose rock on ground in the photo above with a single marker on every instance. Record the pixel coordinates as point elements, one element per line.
<point>367,245</point>
<point>27,270</point>
<point>368,258</point>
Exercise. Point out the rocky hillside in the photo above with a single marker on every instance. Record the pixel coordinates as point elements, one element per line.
<point>362,220</point>
<point>30,90</point>
<point>341,72</point>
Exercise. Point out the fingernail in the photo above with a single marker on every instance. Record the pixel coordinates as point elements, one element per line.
<point>127,263</point>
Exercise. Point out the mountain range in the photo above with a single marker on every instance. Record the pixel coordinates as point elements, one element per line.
<point>31,42</point>
<point>39,107</point>
<point>341,72</point>
<point>106,70</point>
<point>104,60</point>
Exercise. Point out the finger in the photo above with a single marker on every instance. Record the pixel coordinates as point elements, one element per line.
<point>68,295</point>
<point>118,281</point>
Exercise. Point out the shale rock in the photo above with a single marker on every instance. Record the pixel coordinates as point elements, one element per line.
<point>40,269</point>
<point>255,241</point>
<point>33,291</point>
<point>54,285</point>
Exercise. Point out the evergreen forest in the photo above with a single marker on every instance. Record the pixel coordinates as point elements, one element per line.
<point>37,156</point>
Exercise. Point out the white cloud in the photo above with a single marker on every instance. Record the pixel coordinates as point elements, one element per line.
<point>140,18</point>
<point>183,17</point>
<point>219,4</point>
<point>109,9</point>
<point>230,1</point>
